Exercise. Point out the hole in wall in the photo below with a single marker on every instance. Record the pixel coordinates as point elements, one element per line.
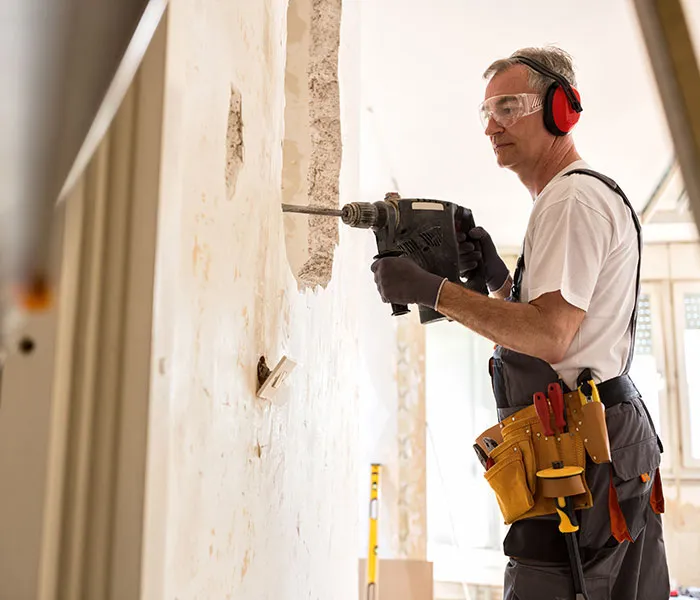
<point>312,147</point>
<point>26,345</point>
<point>234,142</point>
<point>263,371</point>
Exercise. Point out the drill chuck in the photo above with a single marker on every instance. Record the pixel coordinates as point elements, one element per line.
<point>364,215</point>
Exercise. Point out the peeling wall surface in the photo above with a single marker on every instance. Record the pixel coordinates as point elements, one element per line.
<point>312,148</point>
<point>259,500</point>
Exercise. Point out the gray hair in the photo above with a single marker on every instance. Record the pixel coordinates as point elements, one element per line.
<point>552,57</point>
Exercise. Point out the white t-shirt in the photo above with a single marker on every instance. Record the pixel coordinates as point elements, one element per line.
<point>581,240</point>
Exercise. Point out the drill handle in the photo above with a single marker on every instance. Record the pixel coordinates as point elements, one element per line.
<point>477,281</point>
<point>396,309</point>
<point>399,309</point>
<point>464,222</point>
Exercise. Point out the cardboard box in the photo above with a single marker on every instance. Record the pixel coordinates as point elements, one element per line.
<point>400,580</point>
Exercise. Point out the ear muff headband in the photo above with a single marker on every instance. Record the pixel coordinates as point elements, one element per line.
<point>562,102</point>
<point>547,72</point>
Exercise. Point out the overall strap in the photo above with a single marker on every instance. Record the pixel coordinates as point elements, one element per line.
<point>517,278</point>
<point>616,188</point>
<point>518,275</point>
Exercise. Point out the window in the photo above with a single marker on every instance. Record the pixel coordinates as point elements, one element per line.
<point>687,318</point>
<point>465,526</point>
<point>691,347</point>
<point>645,370</point>
<point>667,356</point>
<point>648,366</point>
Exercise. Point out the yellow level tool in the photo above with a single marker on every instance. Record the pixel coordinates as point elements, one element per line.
<point>372,566</point>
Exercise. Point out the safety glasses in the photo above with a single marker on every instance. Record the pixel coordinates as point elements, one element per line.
<point>508,109</point>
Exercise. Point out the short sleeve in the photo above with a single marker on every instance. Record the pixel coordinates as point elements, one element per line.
<point>569,244</point>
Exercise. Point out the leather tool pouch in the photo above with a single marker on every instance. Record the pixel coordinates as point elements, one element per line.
<point>525,449</point>
<point>594,429</point>
<point>511,477</point>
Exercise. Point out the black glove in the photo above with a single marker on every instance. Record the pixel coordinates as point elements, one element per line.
<point>401,281</point>
<point>495,269</point>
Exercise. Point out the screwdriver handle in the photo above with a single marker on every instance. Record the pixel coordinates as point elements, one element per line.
<point>556,399</point>
<point>542,408</point>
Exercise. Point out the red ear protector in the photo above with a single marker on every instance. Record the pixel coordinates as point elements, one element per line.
<point>562,103</point>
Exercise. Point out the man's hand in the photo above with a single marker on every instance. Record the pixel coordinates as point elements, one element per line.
<point>495,269</point>
<point>401,281</point>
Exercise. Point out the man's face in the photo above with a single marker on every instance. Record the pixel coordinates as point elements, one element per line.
<point>522,143</point>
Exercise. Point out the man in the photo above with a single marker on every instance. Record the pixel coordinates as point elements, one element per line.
<point>572,314</point>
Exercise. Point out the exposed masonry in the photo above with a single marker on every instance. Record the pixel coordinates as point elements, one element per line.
<point>234,142</point>
<point>322,177</point>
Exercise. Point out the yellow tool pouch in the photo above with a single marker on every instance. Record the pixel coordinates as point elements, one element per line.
<point>524,449</point>
<point>510,477</point>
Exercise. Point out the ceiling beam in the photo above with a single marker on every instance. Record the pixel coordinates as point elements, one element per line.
<point>675,67</point>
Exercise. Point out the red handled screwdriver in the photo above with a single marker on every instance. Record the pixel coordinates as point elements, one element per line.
<point>542,408</point>
<point>556,399</point>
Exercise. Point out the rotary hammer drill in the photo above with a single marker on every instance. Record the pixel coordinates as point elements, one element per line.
<point>425,231</point>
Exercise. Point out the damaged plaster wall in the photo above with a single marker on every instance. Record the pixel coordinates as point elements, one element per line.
<point>312,143</point>
<point>234,142</point>
<point>259,498</point>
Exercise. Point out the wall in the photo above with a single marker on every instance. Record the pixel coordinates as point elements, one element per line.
<point>249,499</point>
<point>24,428</point>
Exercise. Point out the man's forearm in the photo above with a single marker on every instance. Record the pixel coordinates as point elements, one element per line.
<point>515,325</point>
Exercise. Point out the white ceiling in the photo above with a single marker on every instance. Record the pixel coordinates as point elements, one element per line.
<point>421,84</point>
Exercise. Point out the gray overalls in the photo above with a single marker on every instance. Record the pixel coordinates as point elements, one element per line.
<point>539,567</point>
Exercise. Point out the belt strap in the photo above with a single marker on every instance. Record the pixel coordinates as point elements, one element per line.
<point>617,390</point>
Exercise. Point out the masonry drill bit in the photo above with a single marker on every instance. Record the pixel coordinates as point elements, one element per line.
<point>312,210</point>
<point>364,215</point>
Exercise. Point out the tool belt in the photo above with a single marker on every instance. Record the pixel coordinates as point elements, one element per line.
<point>524,448</point>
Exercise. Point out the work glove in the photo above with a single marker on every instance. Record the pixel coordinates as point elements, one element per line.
<point>401,281</point>
<point>495,270</point>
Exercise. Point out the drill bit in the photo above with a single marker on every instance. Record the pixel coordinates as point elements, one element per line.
<point>312,210</point>
<point>364,215</point>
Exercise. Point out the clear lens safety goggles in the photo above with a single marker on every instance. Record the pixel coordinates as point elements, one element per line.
<point>508,109</point>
